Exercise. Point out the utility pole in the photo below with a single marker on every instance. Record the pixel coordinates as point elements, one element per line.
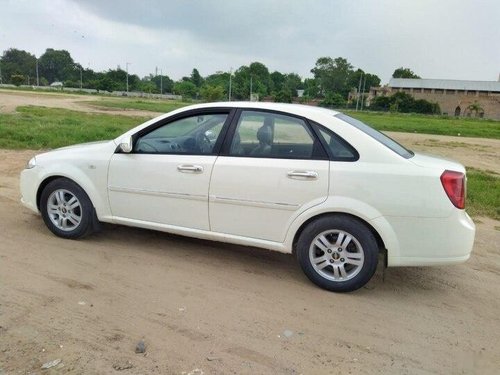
<point>363,93</point>
<point>127,64</point>
<point>1,82</point>
<point>161,81</point>
<point>359,89</point>
<point>37,80</point>
<point>251,84</point>
<point>81,78</point>
<point>230,82</point>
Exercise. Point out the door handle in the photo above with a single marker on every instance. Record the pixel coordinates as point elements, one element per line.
<point>190,168</point>
<point>310,175</point>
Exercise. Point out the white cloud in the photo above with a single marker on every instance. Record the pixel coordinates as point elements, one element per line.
<point>437,39</point>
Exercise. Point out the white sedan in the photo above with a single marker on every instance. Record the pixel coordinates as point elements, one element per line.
<point>289,178</point>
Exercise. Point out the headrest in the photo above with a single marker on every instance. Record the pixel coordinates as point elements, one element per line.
<point>265,135</point>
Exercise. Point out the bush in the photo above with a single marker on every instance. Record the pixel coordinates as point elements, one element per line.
<point>404,103</point>
<point>70,83</point>
<point>333,100</point>
<point>284,96</point>
<point>17,79</point>
<point>212,93</point>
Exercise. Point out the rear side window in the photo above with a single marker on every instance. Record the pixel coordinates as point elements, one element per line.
<point>380,137</point>
<point>338,148</point>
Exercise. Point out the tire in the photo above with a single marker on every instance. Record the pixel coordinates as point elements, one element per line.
<point>338,253</point>
<point>67,210</point>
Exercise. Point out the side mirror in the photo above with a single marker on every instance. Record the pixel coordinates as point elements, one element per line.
<point>126,144</point>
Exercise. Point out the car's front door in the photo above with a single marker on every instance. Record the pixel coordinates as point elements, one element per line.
<point>273,168</point>
<point>165,179</point>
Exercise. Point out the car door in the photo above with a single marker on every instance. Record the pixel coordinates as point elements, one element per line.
<point>165,179</point>
<point>272,168</point>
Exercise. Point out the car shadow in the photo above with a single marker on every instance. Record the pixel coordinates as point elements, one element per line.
<point>400,280</point>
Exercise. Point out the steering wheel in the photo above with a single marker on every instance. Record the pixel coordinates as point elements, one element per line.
<point>143,146</point>
<point>203,142</point>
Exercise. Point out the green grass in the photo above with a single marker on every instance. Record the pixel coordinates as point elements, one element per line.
<point>397,122</point>
<point>43,128</point>
<point>141,104</point>
<point>483,193</point>
<point>414,123</point>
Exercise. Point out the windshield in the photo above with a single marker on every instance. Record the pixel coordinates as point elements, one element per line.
<point>381,137</point>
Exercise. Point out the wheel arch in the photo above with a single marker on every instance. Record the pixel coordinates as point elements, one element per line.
<point>380,242</point>
<point>43,185</point>
<point>86,187</point>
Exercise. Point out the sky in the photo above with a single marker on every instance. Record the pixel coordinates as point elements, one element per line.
<point>448,39</point>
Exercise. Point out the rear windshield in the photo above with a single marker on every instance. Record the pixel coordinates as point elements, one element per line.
<point>381,137</point>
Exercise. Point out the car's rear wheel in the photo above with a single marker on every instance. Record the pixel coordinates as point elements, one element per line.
<point>66,209</point>
<point>338,253</point>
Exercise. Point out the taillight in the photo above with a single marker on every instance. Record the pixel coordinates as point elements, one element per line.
<point>454,186</point>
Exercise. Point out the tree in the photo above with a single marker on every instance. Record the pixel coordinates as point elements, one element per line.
<point>17,79</point>
<point>145,85</point>
<point>219,79</point>
<point>211,93</point>
<point>367,80</point>
<point>404,73</point>
<point>311,88</point>
<point>17,62</point>
<point>185,88</point>
<point>292,83</point>
<point>164,81</point>
<point>332,75</point>
<point>104,83</point>
<point>405,103</point>
<point>255,78</point>
<point>277,81</point>
<point>57,65</point>
<point>475,107</point>
<point>402,102</point>
<point>284,96</point>
<point>196,78</point>
<point>333,101</point>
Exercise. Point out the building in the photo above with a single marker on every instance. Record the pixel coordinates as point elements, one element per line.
<point>453,96</point>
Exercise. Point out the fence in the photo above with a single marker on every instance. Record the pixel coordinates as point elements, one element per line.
<point>132,94</point>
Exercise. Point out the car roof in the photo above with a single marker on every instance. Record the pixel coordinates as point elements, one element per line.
<point>307,111</point>
<point>297,109</point>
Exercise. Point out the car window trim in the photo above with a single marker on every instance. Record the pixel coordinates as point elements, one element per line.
<point>317,127</point>
<point>226,146</point>
<point>229,111</point>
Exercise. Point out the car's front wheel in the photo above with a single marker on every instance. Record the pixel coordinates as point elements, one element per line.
<point>66,209</point>
<point>338,253</point>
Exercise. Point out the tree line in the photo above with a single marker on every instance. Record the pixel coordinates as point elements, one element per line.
<point>333,79</point>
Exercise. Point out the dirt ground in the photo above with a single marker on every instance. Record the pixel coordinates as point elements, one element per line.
<point>213,308</point>
<point>11,99</point>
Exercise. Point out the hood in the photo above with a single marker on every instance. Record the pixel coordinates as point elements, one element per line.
<point>85,150</point>
<point>81,145</point>
<point>436,162</point>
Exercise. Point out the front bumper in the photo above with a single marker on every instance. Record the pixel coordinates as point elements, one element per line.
<point>29,187</point>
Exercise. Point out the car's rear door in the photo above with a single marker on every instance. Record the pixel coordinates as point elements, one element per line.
<point>272,168</point>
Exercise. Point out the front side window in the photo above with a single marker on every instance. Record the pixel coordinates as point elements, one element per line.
<point>272,135</point>
<point>190,135</point>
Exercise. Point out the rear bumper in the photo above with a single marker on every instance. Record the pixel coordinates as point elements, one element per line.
<point>431,241</point>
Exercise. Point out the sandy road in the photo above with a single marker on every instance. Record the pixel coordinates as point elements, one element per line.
<point>224,309</point>
<point>11,99</point>
<point>227,309</point>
